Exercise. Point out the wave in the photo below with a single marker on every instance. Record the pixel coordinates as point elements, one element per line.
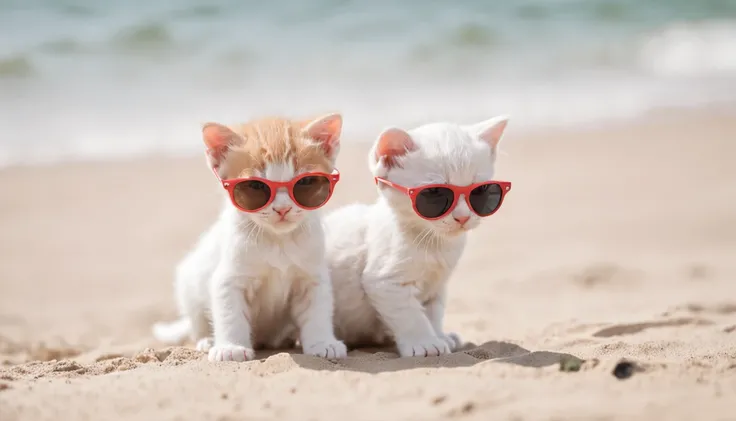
<point>16,66</point>
<point>146,36</point>
<point>678,49</point>
<point>691,49</point>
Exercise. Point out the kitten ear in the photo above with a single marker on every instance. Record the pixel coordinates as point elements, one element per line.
<point>491,130</point>
<point>218,139</point>
<point>326,130</point>
<point>393,143</point>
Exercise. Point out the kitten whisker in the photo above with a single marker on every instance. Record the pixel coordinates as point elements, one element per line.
<point>253,230</point>
<point>307,228</point>
<point>419,238</point>
<point>424,240</point>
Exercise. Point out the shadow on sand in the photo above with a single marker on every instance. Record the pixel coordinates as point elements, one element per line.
<point>386,359</point>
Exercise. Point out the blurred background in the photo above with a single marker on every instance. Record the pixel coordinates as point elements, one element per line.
<point>623,121</point>
<point>83,79</point>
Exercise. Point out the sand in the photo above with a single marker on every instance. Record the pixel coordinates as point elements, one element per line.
<point>617,242</point>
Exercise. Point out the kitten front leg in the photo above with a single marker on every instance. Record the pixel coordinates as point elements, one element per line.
<point>230,319</point>
<point>312,309</point>
<point>404,315</point>
<point>435,309</point>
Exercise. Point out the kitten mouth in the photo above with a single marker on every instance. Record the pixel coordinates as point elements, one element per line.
<point>283,221</point>
<point>459,230</point>
<point>282,225</point>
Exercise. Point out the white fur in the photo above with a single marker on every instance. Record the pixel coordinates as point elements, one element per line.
<point>261,282</point>
<point>389,267</point>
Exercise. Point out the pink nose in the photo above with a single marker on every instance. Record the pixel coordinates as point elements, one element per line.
<point>282,211</point>
<point>461,219</point>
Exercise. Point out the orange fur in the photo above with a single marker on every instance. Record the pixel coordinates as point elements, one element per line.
<point>274,140</point>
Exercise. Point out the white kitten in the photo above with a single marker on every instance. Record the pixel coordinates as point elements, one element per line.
<point>259,272</point>
<point>388,265</point>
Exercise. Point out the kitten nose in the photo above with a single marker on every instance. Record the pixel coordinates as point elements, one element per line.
<point>461,219</point>
<point>282,210</point>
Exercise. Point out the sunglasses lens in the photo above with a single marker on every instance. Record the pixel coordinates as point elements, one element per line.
<point>485,199</point>
<point>251,194</point>
<point>312,191</point>
<point>434,202</point>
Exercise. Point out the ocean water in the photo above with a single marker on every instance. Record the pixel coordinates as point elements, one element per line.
<point>89,79</point>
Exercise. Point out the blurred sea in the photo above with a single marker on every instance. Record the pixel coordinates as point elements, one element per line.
<point>87,79</point>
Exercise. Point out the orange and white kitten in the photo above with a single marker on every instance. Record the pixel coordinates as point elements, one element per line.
<point>259,279</point>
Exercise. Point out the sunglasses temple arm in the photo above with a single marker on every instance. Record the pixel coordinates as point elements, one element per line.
<point>214,171</point>
<point>395,186</point>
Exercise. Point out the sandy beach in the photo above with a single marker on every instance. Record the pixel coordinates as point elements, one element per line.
<point>618,241</point>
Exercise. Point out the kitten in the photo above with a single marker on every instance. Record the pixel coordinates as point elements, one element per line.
<point>388,265</point>
<point>259,272</point>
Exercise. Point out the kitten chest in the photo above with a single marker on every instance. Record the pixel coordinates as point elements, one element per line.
<point>433,270</point>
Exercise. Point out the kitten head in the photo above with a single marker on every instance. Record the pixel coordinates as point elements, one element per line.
<point>278,150</point>
<point>437,153</point>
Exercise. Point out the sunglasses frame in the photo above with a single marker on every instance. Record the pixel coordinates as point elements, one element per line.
<point>413,192</point>
<point>230,183</point>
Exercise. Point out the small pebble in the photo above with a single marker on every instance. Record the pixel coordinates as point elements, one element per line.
<point>467,408</point>
<point>624,370</point>
<point>439,399</point>
<point>570,363</point>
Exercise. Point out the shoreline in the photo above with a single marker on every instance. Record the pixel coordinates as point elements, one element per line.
<point>533,131</point>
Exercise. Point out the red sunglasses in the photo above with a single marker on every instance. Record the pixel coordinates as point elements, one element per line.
<point>434,201</point>
<point>308,190</point>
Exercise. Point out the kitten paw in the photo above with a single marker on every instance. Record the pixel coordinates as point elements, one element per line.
<point>230,353</point>
<point>428,347</point>
<point>453,341</point>
<point>204,344</point>
<point>327,349</point>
